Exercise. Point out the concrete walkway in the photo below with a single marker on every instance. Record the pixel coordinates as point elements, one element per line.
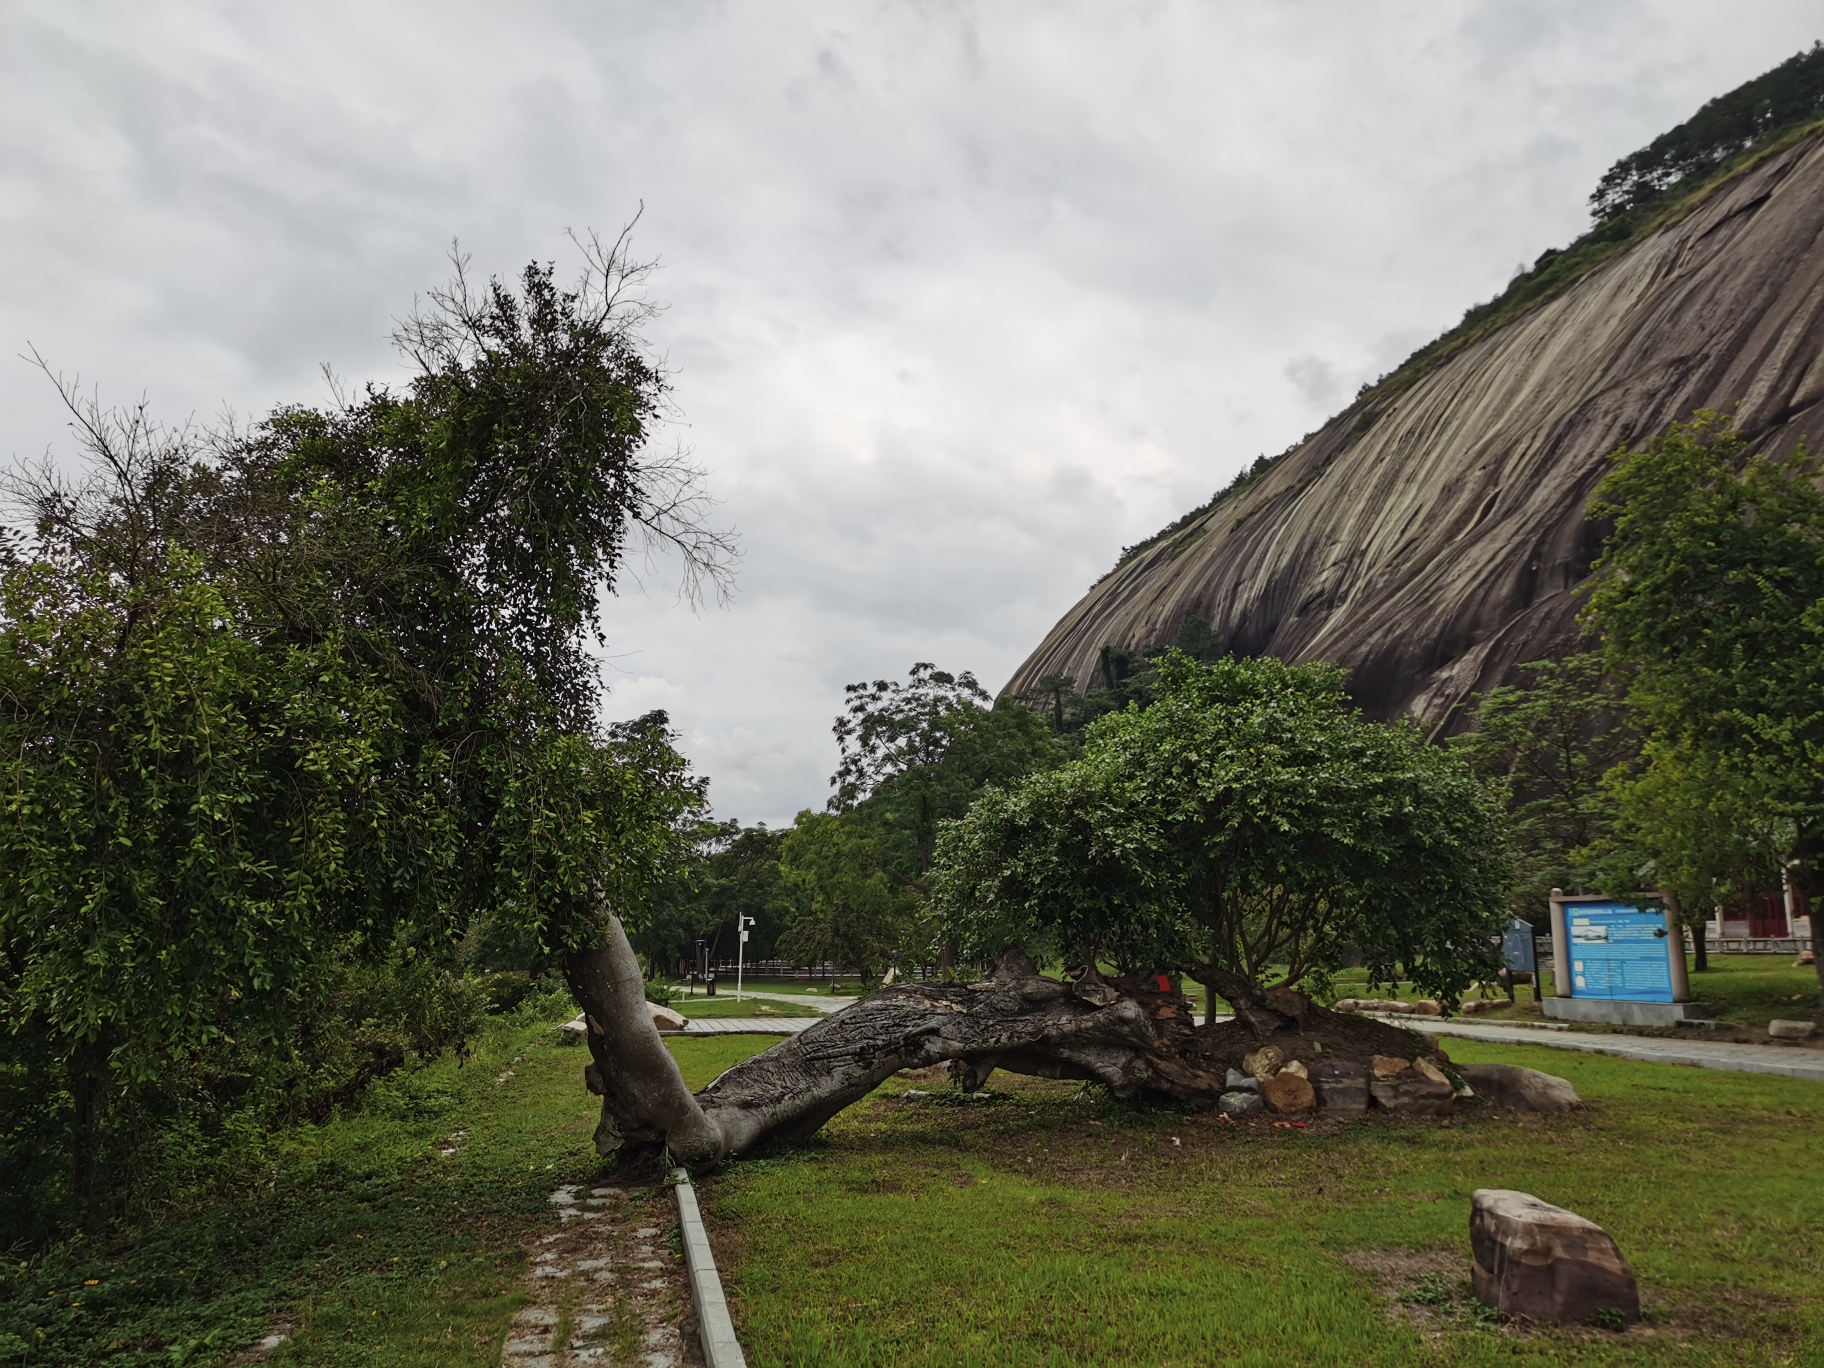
<point>746,1026</point>
<point>1786,1061</point>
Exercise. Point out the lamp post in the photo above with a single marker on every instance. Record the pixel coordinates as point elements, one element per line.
<point>742,921</point>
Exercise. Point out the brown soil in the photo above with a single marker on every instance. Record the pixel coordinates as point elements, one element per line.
<point>1324,1035</point>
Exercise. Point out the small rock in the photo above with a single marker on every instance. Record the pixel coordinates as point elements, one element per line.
<point>1264,1062</point>
<point>1288,1093</point>
<point>1426,1007</point>
<point>573,1032</point>
<point>666,1019</point>
<point>915,1094</point>
<point>1294,1067</point>
<point>1805,957</point>
<point>1412,1095</point>
<point>1542,1262</point>
<point>1426,1069</point>
<point>1341,1087</point>
<point>1388,1066</point>
<point>1790,1030</point>
<point>1237,1079</point>
<point>1238,1103</point>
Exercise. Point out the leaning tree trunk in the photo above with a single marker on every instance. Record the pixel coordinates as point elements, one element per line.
<point>1122,1033</point>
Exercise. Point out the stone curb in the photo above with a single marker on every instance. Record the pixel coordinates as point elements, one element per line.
<point>720,1347</point>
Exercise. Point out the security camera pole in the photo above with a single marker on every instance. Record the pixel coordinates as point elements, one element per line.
<point>743,922</point>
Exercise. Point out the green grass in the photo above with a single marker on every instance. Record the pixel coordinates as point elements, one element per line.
<point>1019,1232</point>
<point>362,1242</point>
<point>720,1006</point>
<point>1013,1231</point>
<point>1751,990</point>
<point>811,988</point>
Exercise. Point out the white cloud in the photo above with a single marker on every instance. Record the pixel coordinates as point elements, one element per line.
<point>962,297</point>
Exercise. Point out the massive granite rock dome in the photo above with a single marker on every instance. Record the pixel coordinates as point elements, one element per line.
<point>1441,544</point>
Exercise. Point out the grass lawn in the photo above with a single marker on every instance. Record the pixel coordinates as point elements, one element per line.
<point>1036,1230</point>
<point>1029,1229</point>
<point>1751,990</point>
<point>817,987</point>
<point>362,1242</point>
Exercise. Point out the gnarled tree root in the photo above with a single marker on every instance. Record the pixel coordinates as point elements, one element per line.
<point>1126,1034</point>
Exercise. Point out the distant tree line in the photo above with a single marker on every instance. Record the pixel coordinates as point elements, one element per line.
<point>1773,102</point>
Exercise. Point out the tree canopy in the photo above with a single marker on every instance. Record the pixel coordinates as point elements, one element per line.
<point>1709,602</point>
<point>279,701</point>
<point>1248,823</point>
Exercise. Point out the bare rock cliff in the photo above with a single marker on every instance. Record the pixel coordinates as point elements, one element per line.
<point>1443,545</point>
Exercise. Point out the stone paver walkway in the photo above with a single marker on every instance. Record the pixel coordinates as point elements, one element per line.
<point>604,1288</point>
<point>766,1025</point>
<point>1787,1061</point>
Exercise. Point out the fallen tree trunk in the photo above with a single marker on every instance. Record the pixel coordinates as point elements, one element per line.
<point>1138,1040</point>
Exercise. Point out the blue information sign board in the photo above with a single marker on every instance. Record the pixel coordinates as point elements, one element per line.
<point>1618,951</point>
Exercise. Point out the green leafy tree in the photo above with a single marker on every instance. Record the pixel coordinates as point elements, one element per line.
<point>734,872</point>
<point>856,915</point>
<point>1710,600</point>
<point>1550,743</point>
<point>1248,823</point>
<point>914,755</point>
<point>283,702</point>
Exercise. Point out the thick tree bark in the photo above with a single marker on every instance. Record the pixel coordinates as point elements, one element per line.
<point>1123,1033</point>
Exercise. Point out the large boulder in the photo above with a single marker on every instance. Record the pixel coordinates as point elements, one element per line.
<point>1509,1085</point>
<point>1342,1087</point>
<point>666,1019</point>
<point>1544,1263</point>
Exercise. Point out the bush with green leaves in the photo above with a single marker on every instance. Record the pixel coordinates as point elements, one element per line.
<point>298,729</point>
<point>1248,823</point>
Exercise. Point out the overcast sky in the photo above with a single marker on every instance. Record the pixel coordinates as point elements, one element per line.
<point>961,298</point>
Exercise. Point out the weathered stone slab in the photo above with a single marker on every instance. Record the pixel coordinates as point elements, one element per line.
<point>1542,1262</point>
<point>1239,1103</point>
<point>1342,1087</point>
<point>1411,1094</point>
<point>1509,1085</point>
<point>1790,1030</point>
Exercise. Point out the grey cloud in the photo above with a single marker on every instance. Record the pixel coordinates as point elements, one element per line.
<point>963,297</point>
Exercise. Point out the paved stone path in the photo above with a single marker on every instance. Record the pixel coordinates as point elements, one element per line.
<point>1787,1061</point>
<point>766,1025</point>
<point>605,1288</point>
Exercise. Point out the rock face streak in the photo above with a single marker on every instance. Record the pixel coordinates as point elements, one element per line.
<point>1434,546</point>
